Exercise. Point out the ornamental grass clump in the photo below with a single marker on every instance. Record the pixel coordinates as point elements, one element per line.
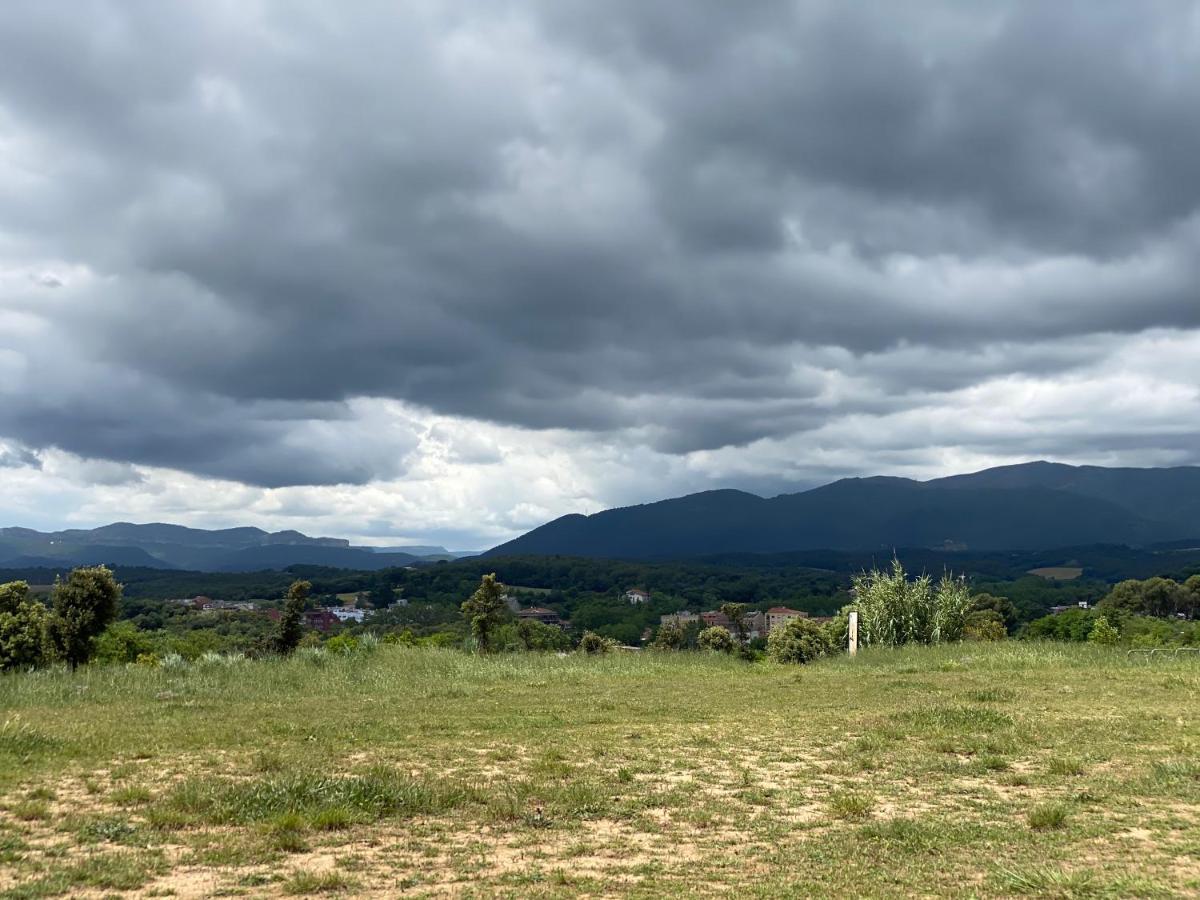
<point>894,610</point>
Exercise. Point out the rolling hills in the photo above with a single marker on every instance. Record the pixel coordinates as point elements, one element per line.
<point>162,546</point>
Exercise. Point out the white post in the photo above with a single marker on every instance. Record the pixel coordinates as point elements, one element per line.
<point>853,633</point>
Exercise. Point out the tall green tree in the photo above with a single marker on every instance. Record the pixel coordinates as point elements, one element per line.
<point>291,624</point>
<point>22,628</point>
<point>81,608</point>
<point>485,611</point>
<point>736,614</point>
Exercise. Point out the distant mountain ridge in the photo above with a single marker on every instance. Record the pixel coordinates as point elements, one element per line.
<point>159,545</point>
<point>1031,506</point>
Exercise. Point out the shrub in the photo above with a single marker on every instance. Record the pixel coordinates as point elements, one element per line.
<point>534,635</point>
<point>984,625</point>
<point>893,610</point>
<point>717,639</point>
<point>798,641</point>
<point>123,642</point>
<point>670,637</point>
<point>1103,633</point>
<point>342,643</point>
<point>595,643</point>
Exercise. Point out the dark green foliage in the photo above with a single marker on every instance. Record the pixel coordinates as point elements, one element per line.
<point>535,635</point>
<point>798,641</point>
<point>1004,609</point>
<point>291,624</point>
<point>83,605</point>
<point>485,611</point>
<point>22,628</point>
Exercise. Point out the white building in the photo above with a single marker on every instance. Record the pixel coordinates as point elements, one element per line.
<point>637,595</point>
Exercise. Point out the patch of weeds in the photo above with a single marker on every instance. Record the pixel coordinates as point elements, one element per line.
<point>12,848</point>
<point>318,883</point>
<point>118,871</point>
<point>31,811</point>
<point>1175,771</point>
<point>287,833</point>
<point>268,761</point>
<point>850,805</point>
<point>333,818</point>
<point>1065,765</point>
<point>905,834</point>
<point>257,879</point>
<point>1014,779</point>
<point>624,775</point>
<point>1047,816</point>
<point>41,792</point>
<point>1043,881</point>
<point>24,742</point>
<point>131,795</point>
<point>990,695</point>
<point>958,718</point>
<point>374,795</point>
<point>110,829</point>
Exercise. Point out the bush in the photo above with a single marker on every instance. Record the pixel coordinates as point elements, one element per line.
<point>342,643</point>
<point>123,642</point>
<point>595,643</point>
<point>1103,633</point>
<point>717,639</point>
<point>538,636</point>
<point>798,641</point>
<point>984,625</point>
<point>669,637</point>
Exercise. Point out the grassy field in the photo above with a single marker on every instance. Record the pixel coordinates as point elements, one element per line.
<point>1008,770</point>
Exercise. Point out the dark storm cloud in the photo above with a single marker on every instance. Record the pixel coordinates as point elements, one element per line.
<point>706,223</point>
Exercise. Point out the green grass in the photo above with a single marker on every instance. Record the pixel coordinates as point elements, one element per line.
<point>1014,769</point>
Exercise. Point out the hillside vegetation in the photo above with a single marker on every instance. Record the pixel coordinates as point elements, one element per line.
<point>1000,769</point>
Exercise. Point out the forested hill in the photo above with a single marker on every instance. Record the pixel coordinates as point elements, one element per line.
<point>1025,507</point>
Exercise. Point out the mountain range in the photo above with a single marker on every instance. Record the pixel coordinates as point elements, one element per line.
<point>162,546</point>
<point>1032,506</point>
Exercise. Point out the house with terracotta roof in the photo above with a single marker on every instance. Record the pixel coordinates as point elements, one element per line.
<point>539,614</point>
<point>637,595</point>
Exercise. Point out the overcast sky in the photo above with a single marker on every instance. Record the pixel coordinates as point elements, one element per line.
<point>442,271</point>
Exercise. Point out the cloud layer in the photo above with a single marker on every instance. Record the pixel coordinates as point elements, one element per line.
<point>449,269</point>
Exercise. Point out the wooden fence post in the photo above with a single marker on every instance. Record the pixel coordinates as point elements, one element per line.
<point>853,633</point>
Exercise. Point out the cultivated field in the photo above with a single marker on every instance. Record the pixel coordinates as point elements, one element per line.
<point>1058,573</point>
<point>1018,769</point>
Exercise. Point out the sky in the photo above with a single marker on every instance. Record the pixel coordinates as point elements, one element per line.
<point>442,271</point>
